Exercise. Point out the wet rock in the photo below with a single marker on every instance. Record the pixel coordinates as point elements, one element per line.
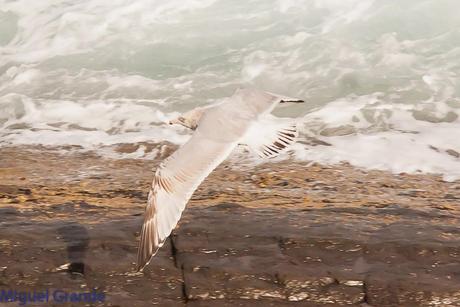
<point>18,126</point>
<point>283,183</point>
<point>342,236</point>
<point>427,115</point>
<point>226,206</point>
<point>411,192</point>
<point>78,127</point>
<point>8,211</point>
<point>127,148</point>
<point>338,131</point>
<point>312,141</point>
<point>453,153</point>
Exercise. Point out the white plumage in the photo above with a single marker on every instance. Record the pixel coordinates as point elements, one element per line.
<point>219,128</point>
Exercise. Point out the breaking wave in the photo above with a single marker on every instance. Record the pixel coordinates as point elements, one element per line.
<point>381,78</point>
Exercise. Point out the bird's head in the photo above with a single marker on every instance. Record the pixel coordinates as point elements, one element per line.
<point>178,121</point>
<point>188,120</point>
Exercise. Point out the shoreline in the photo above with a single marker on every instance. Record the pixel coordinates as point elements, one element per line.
<point>276,234</point>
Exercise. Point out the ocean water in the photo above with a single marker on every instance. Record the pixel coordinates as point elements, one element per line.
<point>381,79</point>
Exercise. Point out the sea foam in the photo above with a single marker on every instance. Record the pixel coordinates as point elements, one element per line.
<point>380,78</point>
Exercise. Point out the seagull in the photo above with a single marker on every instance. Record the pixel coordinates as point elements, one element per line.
<point>243,118</point>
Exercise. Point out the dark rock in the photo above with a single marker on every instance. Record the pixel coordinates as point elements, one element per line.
<point>380,240</point>
<point>453,153</point>
<point>226,206</point>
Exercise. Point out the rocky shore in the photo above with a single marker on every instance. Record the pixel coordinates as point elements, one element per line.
<point>279,234</point>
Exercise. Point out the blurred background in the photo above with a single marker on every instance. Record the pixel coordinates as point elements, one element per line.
<point>380,78</point>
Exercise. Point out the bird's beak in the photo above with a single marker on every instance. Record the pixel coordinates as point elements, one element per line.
<point>293,100</point>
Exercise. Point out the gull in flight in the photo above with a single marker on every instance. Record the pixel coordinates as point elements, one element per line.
<point>243,118</point>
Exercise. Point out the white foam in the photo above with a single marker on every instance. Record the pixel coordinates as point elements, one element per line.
<point>88,124</point>
<point>375,75</point>
<point>400,143</point>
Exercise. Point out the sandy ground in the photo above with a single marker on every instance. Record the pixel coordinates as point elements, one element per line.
<point>279,234</point>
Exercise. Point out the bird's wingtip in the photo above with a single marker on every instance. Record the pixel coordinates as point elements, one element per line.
<point>142,264</point>
<point>140,268</point>
<point>292,100</point>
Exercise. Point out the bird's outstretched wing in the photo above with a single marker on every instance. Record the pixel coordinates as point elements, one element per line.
<point>174,183</point>
<point>270,136</point>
